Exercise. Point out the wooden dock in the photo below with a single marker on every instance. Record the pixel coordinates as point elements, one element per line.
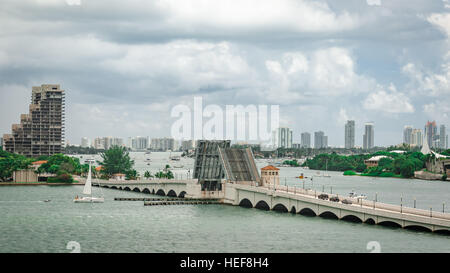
<point>184,202</point>
<point>161,199</point>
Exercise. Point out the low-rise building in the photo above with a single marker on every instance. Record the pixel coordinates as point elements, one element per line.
<point>373,161</point>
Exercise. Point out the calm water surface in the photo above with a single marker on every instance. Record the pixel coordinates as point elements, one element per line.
<point>30,225</point>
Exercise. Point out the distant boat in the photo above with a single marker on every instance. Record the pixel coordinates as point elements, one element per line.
<point>354,195</point>
<point>179,166</point>
<point>88,191</point>
<point>47,200</point>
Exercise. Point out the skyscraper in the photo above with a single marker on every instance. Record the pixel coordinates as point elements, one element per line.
<point>41,131</point>
<point>416,137</point>
<point>368,137</point>
<point>306,140</point>
<point>283,137</point>
<point>442,137</point>
<point>430,132</point>
<point>320,140</point>
<point>350,134</point>
<point>84,142</point>
<point>407,134</point>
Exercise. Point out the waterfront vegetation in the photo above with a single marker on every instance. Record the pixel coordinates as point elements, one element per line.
<point>401,165</point>
<point>117,160</point>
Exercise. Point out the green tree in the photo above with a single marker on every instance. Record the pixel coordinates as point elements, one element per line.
<point>117,160</point>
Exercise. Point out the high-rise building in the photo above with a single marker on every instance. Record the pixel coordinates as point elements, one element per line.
<point>139,143</point>
<point>407,134</point>
<point>320,140</point>
<point>41,131</point>
<point>368,137</point>
<point>163,144</point>
<point>306,140</point>
<point>442,137</point>
<point>84,142</point>
<point>430,132</point>
<point>416,138</point>
<point>350,134</point>
<point>187,145</point>
<point>282,137</point>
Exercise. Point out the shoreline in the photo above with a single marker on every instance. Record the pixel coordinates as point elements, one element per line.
<point>40,184</point>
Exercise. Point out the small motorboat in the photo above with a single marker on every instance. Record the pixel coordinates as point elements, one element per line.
<point>357,196</point>
<point>47,200</point>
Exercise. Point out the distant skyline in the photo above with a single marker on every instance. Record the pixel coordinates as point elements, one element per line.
<point>124,68</point>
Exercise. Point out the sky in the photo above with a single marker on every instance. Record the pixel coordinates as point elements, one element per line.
<point>124,66</point>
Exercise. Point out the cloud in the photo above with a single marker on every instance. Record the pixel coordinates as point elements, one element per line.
<point>374,2</point>
<point>322,73</point>
<point>441,20</point>
<point>425,82</point>
<point>440,109</point>
<point>389,101</point>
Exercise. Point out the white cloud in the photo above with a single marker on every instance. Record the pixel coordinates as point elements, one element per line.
<point>184,65</point>
<point>390,101</point>
<point>327,72</point>
<point>441,20</point>
<point>296,15</point>
<point>440,109</point>
<point>428,83</point>
<point>374,2</point>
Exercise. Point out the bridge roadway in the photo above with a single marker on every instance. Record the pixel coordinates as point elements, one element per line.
<point>294,200</point>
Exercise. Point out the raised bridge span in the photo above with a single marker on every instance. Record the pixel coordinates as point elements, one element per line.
<point>294,200</point>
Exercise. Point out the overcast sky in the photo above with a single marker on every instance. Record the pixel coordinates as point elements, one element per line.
<point>125,64</point>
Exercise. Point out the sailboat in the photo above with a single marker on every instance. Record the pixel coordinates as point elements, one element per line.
<point>88,191</point>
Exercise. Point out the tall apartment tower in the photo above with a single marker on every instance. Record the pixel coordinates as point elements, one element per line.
<point>283,137</point>
<point>306,140</point>
<point>407,134</point>
<point>368,137</point>
<point>430,132</point>
<point>41,131</point>
<point>442,137</point>
<point>350,134</point>
<point>320,140</point>
<point>416,138</point>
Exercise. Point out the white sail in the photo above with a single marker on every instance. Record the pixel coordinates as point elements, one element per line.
<point>88,185</point>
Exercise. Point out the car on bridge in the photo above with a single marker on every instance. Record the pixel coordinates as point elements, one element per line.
<point>334,199</point>
<point>323,196</point>
<point>346,201</point>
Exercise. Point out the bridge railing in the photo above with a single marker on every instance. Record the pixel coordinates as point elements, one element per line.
<point>359,202</point>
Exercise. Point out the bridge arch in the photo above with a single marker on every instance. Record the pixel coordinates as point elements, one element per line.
<point>370,221</point>
<point>146,190</point>
<point>352,218</point>
<point>182,194</point>
<point>293,210</point>
<point>442,232</point>
<point>114,187</point>
<point>418,228</point>
<point>127,189</point>
<point>307,212</point>
<point>172,193</point>
<point>246,203</point>
<point>136,189</point>
<point>391,224</point>
<point>262,205</point>
<point>160,192</point>
<point>153,191</point>
<point>280,208</point>
<point>328,215</point>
